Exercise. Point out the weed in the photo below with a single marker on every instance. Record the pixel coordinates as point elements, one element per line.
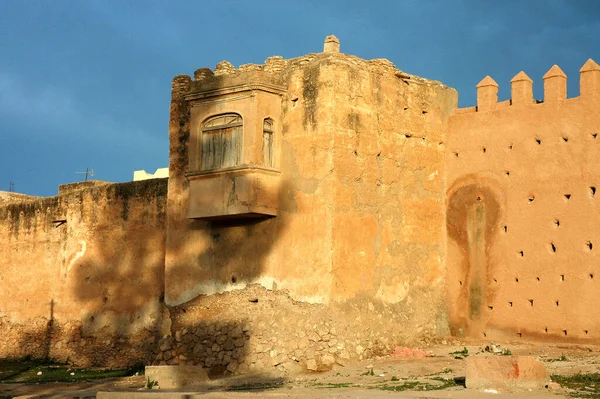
<point>369,372</point>
<point>506,352</point>
<point>394,378</point>
<point>150,384</point>
<point>463,353</point>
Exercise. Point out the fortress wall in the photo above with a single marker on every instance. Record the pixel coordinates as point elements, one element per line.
<point>523,214</point>
<point>82,273</point>
<point>359,236</point>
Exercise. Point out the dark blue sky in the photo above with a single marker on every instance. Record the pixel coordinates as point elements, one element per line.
<point>87,83</point>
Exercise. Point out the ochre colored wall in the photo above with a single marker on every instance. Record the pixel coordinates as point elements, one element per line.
<point>361,218</point>
<point>523,213</point>
<point>82,273</point>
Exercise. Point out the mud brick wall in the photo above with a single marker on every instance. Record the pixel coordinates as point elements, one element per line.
<point>81,273</point>
<point>523,211</point>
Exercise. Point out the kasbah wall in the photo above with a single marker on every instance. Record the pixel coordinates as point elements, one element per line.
<point>383,215</point>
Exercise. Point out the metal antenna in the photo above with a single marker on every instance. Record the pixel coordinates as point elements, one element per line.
<point>11,187</point>
<point>87,173</point>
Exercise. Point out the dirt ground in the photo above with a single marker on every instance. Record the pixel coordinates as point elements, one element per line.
<point>440,375</point>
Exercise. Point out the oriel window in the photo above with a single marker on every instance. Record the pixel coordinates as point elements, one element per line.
<point>221,142</point>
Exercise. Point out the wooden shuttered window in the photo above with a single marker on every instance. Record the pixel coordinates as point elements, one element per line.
<point>268,145</point>
<point>221,142</point>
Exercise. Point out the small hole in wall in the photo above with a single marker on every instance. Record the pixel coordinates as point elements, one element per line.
<point>510,304</point>
<point>510,147</point>
<point>490,307</point>
<point>592,191</point>
<point>553,247</point>
<point>591,275</point>
<point>538,141</point>
<point>537,278</point>
<point>546,330</point>
<point>594,135</point>
<point>378,154</point>
<point>478,198</point>
<point>484,150</point>
<point>531,199</point>
<point>585,332</point>
<point>408,135</point>
<point>562,277</point>
<point>294,102</point>
<point>557,303</point>
<point>405,108</point>
<point>456,154</point>
<point>565,139</point>
<point>565,332</point>
<point>567,197</point>
<point>484,334</point>
<point>507,173</point>
<point>495,281</point>
<point>355,152</point>
<point>423,112</point>
<point>520,334</point>
<point>505,228</point>
<point>589,245</point>
<point>521,253</point>
<point>531,302</point>
<point>460,282</point>
<point>557,222</point>
<point>516,279</point>
<point>233,279</point>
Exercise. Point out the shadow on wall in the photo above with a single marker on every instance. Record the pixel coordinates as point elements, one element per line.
<point>471,220</point>
<point>115,284</point>
<point>236,255</point>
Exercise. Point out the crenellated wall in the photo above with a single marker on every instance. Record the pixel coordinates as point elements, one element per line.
<point>523,211</point>
<point>382,216</point>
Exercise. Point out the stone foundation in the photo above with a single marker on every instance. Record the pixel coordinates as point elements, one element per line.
<point>257,329</point>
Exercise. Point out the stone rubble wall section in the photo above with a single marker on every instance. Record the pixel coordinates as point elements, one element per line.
<point>276,333</point>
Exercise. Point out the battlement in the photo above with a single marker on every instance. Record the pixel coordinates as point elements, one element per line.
<point>274,70</point>
<point>555,89</point>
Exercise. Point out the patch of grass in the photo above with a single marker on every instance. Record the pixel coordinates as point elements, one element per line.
<point>506,352</point>
<point>37,371</point>
<point>335,385</point>
<point>562,358</point>
<point>463,353</point>
<point>442,383</point>
<point>394,378</point>
<point>398,388</point>
<point>584,385</point>
<point>444,371</point>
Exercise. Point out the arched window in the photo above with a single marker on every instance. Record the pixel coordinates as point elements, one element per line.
<point>221,142</point>
<point>268,142</point>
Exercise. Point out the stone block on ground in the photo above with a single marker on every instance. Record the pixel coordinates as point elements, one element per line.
<point>506,373</point>
<point>169,377</point>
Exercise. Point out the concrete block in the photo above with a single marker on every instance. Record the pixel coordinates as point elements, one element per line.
<point>506,373</point>
<point>169,377</point>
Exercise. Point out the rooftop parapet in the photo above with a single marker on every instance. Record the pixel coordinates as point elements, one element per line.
<point>521,89</point>
<point>589,83</point>
<point>555,85</point>
<point>487,94</point>
<point>555,88</point>
<point>331,45</point>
